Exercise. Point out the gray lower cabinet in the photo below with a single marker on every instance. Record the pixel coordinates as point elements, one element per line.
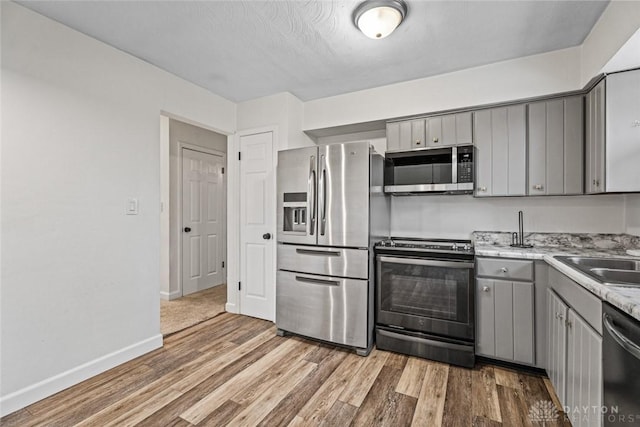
<point>556,147</point>
<point>557,343</point>
<point>584,372</point>
<point>501,151</point>
<point>505,304</point>
<point>505,328</point>
<point>574,349</point>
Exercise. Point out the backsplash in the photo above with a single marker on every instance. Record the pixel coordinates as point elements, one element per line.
<point>561,240</point>
<point>458,216</point>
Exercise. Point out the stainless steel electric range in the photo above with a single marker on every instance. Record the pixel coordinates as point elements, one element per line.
<point>425,299</point>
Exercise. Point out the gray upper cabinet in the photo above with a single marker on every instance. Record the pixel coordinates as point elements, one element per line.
<point>398,136</point>
<point>501,155</point>
<point>556,141</point>
<point>405,135</point>
<point>623,131</point>
<point>594,181</point>
<point>417,133</point>
<point>452,129</point>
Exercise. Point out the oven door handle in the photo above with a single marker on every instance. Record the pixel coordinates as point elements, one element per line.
<point>426,262</point>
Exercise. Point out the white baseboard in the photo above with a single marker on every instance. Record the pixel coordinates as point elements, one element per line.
<point>231,308</point>
<point>28,395</point>
<point>167,296</point>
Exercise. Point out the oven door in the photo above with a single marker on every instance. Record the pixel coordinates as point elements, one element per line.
<point>431,296</point>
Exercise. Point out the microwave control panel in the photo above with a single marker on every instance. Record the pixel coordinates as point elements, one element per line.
<point>465,164</point>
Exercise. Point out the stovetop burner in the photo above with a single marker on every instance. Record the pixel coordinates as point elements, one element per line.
<point>428,245</point>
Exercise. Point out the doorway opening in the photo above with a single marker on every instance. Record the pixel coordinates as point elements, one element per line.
<point>197,272</point>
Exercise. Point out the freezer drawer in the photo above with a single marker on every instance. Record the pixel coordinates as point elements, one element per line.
<point>352,263</point>
<point>325,308</point>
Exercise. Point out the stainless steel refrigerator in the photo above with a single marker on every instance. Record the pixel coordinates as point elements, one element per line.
<point>331,210</point>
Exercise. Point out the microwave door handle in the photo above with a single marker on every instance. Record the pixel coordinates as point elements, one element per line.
<point>454,165</point>
<point>426,262</point>
<point>311,195</point>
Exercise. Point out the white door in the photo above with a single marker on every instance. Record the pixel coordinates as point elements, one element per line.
<point>202,221</point>
<point>257,226</point>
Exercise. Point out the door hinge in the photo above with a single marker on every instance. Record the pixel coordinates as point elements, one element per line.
<point>239,155</point>
<point>239,286</point>
<point>223,171</point>
<point>222,264</point>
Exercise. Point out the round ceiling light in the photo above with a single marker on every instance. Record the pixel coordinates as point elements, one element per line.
<point>378,18</point>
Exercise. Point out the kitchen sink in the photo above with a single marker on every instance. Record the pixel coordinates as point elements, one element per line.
<point>608,271</point>
<point>618,276</point>
<point>612,263</point>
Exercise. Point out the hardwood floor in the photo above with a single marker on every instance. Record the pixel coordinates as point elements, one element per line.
<point>234,370</point>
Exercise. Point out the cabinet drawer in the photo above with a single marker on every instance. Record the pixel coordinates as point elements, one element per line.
<point>513,269</point>
<point>327,308</point>
<point>341,262</point>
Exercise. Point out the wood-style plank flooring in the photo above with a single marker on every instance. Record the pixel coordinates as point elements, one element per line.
<point>234,370</point>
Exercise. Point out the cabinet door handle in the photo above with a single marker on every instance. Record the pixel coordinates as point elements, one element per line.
<point>504,269</point>
<point>418,142</point>
<point>483,189</point>
<point>485,289</point>
<point>560,316</point>
<point>538,187</point>
<point>568,323</point>
<point>435,140</point>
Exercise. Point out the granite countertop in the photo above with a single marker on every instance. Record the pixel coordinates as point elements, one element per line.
<point>548,245</point>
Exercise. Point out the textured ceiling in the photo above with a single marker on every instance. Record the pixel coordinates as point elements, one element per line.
<point>246,49</point>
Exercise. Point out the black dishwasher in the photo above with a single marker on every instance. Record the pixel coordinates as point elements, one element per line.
<point>620,367</point>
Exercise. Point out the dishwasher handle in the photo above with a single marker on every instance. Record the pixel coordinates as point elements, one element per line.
<point>619,337</point>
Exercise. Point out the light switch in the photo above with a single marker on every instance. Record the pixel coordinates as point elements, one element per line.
<point>132,206</point>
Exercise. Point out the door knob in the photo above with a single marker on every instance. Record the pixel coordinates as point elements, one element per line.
<point>187,229</point>
<point>266,236</point>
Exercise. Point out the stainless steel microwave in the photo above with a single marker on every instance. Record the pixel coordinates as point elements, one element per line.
<point>443,170</point>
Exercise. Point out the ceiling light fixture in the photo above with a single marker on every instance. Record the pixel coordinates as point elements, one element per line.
<point>378,18</point>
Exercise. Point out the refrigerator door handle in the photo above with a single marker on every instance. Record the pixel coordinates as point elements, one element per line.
<point>317,252</point>
<point>314,281</point>
<point>311,195</point>
<point>323,199</point>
